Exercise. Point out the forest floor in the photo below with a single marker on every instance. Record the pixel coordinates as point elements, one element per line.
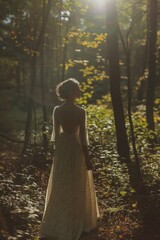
<point>125,214</point>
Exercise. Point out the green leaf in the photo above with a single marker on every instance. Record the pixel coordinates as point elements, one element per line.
<point>123,193</point>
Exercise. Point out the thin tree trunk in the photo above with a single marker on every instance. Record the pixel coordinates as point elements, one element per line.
<point>44,110</point>
<point>64,57</point>
<point>65,48</point>
<point>113,52</point>
<point>152,66</point>
<point>142,87</point>
<point>18,77</point>
<point>37,48</point>
<point>57,47</point>
<point>28,126</point>
<point>138,174</point>
<point>23,75</point>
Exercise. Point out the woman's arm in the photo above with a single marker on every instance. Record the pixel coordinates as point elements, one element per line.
<point>84,139</point>
<point>56,125</point>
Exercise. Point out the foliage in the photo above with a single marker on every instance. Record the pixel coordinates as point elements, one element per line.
<point>121,216</point>
<point>74,42</point>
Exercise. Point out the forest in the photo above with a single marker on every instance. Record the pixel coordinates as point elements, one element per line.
<point>112,47</point>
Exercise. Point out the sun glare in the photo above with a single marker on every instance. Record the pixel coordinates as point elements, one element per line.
<point>99,4</point>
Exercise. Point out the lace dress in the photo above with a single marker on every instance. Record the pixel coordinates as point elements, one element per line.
<point>71,205</point>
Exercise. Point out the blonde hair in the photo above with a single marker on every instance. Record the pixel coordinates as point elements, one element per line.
<point>66,89</point>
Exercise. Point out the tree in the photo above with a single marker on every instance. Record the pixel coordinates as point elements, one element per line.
<point>36,49</point>
<point>152,65</point>
<point>133,139</point>
<point>113,55</point>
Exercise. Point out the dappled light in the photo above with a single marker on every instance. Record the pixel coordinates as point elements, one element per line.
<point>112,117</point>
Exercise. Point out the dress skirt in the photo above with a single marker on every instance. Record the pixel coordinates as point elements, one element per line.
<point>70,205</point>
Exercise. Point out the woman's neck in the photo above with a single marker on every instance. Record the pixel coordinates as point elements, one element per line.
<point>70,101</point>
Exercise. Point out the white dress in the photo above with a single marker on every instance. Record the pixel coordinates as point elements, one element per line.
<point>71,205</point>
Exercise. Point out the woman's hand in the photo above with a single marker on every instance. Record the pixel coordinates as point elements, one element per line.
<point>87,157</point>
<point>88,164</point>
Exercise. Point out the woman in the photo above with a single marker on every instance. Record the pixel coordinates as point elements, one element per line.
<point>70,207</point>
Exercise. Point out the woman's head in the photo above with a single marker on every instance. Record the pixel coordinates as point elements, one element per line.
<point>68,90</point>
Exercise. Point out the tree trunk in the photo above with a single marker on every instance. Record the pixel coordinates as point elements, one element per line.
<point>37,48</point>
<point>152,65</point>
<point>44,110</point>
<point>113,54</point>
<point>18,77</point>
<point>28,126</point>
<point>135,178</point>
<point>64,56</point>
<point>141,92</point>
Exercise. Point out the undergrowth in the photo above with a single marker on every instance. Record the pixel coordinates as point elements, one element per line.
<point>24,181</point>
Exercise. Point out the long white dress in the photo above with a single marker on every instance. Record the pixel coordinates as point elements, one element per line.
<point>71,204</point>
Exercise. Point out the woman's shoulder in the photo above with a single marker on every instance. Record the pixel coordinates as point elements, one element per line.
<point>55,108</point>
<point>80,108</point>
<point>82,112</point>
<point>64,107</point>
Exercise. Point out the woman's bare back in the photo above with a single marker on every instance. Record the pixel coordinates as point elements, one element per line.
<point>70,117</point>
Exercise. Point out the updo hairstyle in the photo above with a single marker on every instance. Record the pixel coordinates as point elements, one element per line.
<point>67,89</point>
